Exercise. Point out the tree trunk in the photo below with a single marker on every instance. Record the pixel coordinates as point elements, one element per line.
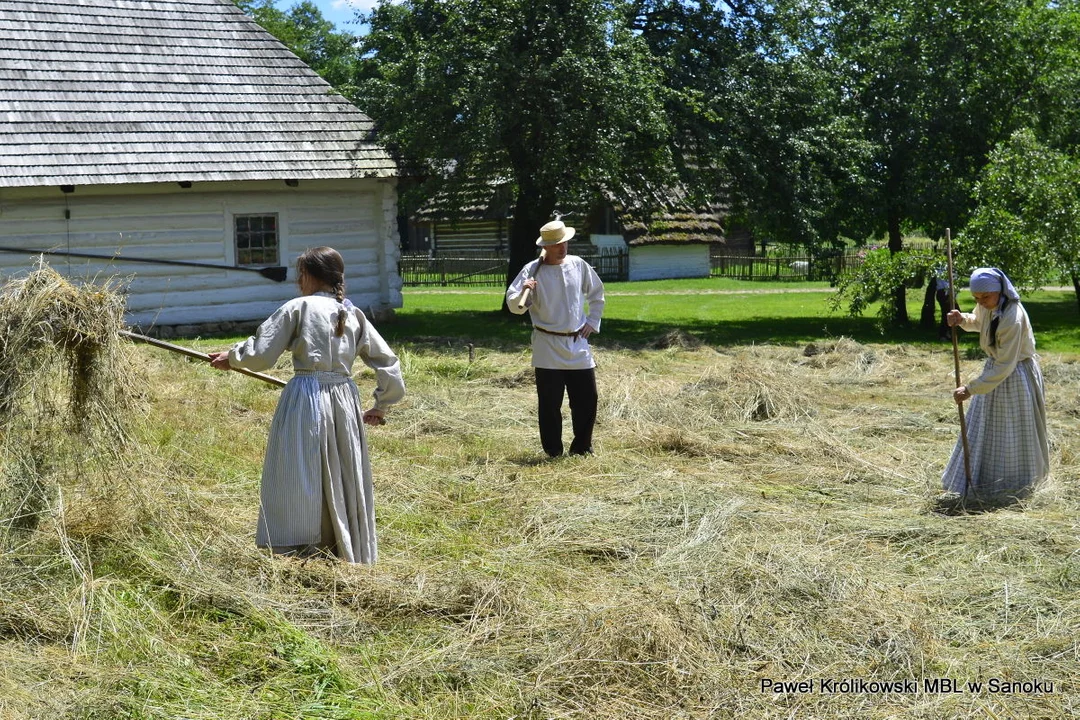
<point>896,244</point>
<point>531,210</point>
<point>929,305</point>
<point>1076,287</point>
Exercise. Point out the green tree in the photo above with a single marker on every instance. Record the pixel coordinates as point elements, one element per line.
<point>558,99</point>
<point>1027,220</point>
<point>936,85</point>
<point>758,111</point>
<point>305,31</point>
<point>876,280</point>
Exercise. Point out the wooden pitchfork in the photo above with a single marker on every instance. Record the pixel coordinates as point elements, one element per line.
<point>196,354</point>
<point>956,365</point>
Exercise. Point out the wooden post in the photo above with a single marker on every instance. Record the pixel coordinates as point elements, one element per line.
<point>956,365</point>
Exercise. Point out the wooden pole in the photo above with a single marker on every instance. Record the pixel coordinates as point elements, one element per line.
<point>525,295</point>
<point>196,354</point>
<point>956,365</point>
<point>277,274</point>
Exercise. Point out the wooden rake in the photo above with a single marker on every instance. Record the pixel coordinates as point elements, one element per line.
<point>196,354</point>
<point>525,295</point>
<point>956,365</point>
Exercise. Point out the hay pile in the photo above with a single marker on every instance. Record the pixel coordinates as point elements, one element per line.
<point>66,394</point>
<point>753,389</point>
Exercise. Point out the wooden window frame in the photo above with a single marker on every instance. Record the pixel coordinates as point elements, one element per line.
<point>248,253</point>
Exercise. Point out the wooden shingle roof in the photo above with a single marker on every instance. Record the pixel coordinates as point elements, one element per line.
<point>135,91</point>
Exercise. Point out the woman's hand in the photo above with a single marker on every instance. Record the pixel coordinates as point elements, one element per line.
<point>220,360</point>
<point>374,417</point>
<point>961,394</point>
<point>954,318</point>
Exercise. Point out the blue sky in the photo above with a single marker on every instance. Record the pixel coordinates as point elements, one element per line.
<point>340,12</point>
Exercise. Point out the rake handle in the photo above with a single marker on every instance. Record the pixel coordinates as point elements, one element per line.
<point>524,298</point>
<point>276,273</point>
<point>528,291</point>
<point>956,364</point>
<point>197,355</point>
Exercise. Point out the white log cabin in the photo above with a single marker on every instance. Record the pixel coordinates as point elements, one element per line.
<point>181,130</point>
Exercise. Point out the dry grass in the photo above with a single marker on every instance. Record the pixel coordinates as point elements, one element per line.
<point>752,512</point>
<point>66,392</point>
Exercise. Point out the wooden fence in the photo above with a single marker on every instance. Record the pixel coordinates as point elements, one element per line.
<point>485,268</point>
<point>794,267</point>
<point>464,269</point>
<point>459,270</point>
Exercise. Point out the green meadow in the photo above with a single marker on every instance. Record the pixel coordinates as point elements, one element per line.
<point>716,311</point>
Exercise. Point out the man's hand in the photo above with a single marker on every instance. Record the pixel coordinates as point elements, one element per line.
<point>587,330</point>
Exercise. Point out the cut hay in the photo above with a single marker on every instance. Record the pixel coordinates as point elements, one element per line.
<point>839,352</point>
<point>676,340</point>
<point>46,323</point>
<point>696,554</point>
<point>65,387</point>
<point>752,392</point>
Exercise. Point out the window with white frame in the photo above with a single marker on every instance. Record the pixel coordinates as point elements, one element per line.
<point>256,237</point>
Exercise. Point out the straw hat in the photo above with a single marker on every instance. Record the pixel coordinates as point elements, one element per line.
<point>553,233</point>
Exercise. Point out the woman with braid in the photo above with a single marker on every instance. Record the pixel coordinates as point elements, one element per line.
<point>316,495</point>
<point>1006,421</point>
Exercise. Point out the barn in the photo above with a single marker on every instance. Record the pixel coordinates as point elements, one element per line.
<point>180,130</point>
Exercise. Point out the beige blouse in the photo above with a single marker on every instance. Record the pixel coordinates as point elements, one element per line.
<point>305,326</point>
<point>1015,342</point>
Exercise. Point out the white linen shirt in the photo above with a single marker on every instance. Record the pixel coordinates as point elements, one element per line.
<point>558,304</point>
<point>305,326</point>
<point>1015,342</point>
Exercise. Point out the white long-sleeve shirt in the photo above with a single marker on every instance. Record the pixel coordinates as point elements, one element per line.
<point>1015,342</point>
<point>558,304</point>
<point>305,326</point>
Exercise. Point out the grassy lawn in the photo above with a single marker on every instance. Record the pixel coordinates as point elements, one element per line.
<point>718,312</point>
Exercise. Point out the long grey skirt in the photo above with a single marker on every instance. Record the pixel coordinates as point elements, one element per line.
<point>316,492</point>
<point>1009,449</point>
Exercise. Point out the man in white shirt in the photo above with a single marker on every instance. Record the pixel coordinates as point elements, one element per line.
<point>556,288</point>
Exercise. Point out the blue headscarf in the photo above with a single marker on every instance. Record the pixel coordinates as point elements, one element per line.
<point>985,280</point>
<point>988,280</point>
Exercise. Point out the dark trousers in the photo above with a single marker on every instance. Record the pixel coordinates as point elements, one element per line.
<point>945,303</point>
<point>580,386</point>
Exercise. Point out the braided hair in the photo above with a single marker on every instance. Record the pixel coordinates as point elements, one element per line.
<point>326,265</point>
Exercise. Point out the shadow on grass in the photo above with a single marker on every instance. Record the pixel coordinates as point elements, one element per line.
<point>1056,322</point>
<point>494,330</point>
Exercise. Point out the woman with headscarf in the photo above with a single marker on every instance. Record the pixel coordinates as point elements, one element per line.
<point>1006,420</point>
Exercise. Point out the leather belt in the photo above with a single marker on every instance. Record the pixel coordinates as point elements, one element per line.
<point>576,334</point>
